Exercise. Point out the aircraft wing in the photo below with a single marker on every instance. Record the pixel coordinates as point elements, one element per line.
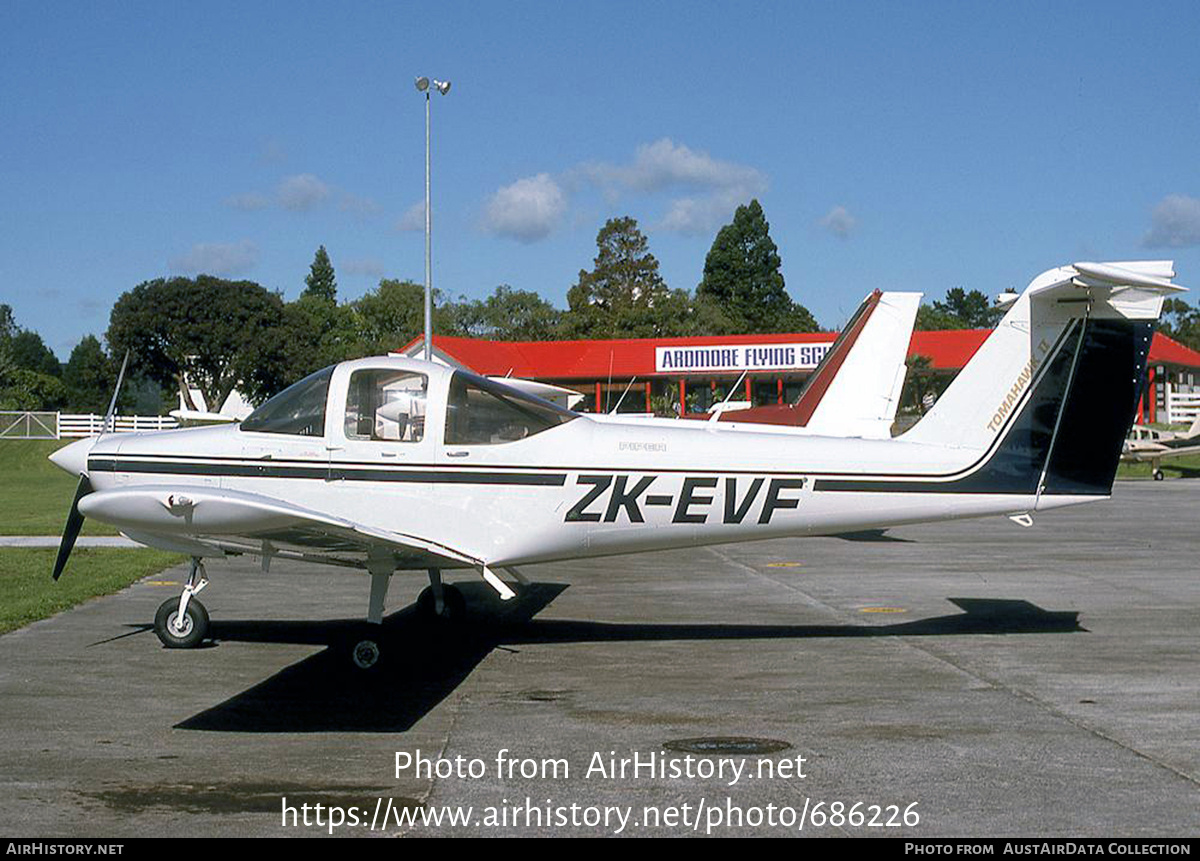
<point>1164,452</point>
<point>209,521</point>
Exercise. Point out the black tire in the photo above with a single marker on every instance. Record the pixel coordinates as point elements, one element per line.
<point>1158,475</point>
<point>365,654</point>
<point>454,606</point>
<point>186,636</point>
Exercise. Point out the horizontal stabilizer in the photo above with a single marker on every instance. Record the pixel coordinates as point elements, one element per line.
<point>1122,275</point>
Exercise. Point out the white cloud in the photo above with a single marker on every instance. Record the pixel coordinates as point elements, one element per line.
<point>696,216</point>
<point>367,266</point>
<point>701,192</point>
<point>216,258</point>
<point>305,192</point>
<point>716,187</point>
<point>302,192</point>
<point>363,207</point>
<point>665,165</point>
<point>413,218</point>
<point>1175,223</point>
<point>839,222</point>
<point>527,210</point>
<point>249,202</point>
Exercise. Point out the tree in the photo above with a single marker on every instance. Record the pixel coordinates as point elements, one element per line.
<point>623,296</point>
<point>312,334</point>
<point>509,315</point>
<point>742,277</point>
<point>206,328</point>
<point>28,369</point>
<point>394,313</point>
<point>320,279</point>
<point>960,310</point>
<point>89,377</point>
<point>1181,322</point>
<point>31,353</point>
<point>23,389</point>
<point>8,326</point>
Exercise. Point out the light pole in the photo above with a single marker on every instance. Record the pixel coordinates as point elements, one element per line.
<point>442,87</point>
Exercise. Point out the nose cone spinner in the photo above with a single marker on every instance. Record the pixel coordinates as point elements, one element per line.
<point>73,457</point>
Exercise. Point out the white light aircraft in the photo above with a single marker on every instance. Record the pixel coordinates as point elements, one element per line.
<point>1150,444</point>
<point>391,464</point>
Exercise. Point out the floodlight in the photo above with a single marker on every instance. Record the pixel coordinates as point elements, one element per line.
<point>443,87</point>
<point>422,84</point>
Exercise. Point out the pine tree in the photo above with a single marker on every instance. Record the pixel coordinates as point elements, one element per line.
<point>320,280</point>
<point>742,277</point>
<point>623,296</point>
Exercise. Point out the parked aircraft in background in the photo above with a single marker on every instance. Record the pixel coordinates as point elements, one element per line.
<point>1146,444</point>
<point>391,464</point>
<point>856,388</point>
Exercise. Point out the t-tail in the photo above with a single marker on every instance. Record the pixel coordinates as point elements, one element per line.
<point>1047,401</point>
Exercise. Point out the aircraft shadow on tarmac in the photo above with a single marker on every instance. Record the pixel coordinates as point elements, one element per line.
<point>422,663</point>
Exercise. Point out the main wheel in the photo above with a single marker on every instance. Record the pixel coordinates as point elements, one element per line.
<point>176,633</point>
<point>365,654</point>
<point>454,606</point>
<point>1158,475</point>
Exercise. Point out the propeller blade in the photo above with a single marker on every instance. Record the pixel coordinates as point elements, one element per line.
<point>74,524</point>
<point>109,417</point>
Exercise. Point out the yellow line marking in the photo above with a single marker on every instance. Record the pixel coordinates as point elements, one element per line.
<point>882,610</point>
<point>163,582</point>
<point>784,564</point>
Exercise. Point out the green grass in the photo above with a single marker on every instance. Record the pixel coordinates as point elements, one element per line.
<point>34,493</point>
<point>27,593</point>
<point>1176,467</point>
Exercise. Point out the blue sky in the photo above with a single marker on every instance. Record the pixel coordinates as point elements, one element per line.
<point>907,146</point>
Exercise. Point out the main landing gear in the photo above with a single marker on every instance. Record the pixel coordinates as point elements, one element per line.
<point>182,623</point>
<point>438,603</point>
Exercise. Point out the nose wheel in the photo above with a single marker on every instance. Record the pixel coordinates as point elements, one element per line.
<point>181,632</point>
<point>182,623</point>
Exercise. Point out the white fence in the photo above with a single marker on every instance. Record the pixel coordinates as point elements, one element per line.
<point>47,425</point>
<point>1182,406</point>
<point>90,424</point>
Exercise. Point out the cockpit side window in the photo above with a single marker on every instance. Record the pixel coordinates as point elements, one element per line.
<point>299,409</point>
<point>386,405</point>
<point>480,412</point>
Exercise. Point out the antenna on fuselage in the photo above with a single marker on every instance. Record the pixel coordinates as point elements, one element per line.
<point>716,410</point>
<point>623,394</point>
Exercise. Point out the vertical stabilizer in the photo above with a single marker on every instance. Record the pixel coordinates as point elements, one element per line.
<point>1052,392</point>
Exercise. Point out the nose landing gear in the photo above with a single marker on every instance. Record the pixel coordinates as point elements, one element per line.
<point>182,623</point>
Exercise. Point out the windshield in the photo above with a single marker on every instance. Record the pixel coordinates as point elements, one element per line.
<point>299,409</point>
<point>481,412</point>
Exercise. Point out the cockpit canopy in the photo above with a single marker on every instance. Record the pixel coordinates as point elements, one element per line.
<point>299,409</point>
<point>396,403</point>
<point>481,412</point>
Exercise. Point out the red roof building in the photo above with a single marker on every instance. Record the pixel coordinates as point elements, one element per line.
<point>644,373</point>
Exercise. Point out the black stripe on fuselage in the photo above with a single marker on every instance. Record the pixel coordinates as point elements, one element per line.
<point>1012,464</point>
<point>329,472</point>
<point>1095,418</point>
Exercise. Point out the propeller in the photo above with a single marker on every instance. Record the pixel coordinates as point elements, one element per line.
<point>71,458</point>
<point>74,524</point>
